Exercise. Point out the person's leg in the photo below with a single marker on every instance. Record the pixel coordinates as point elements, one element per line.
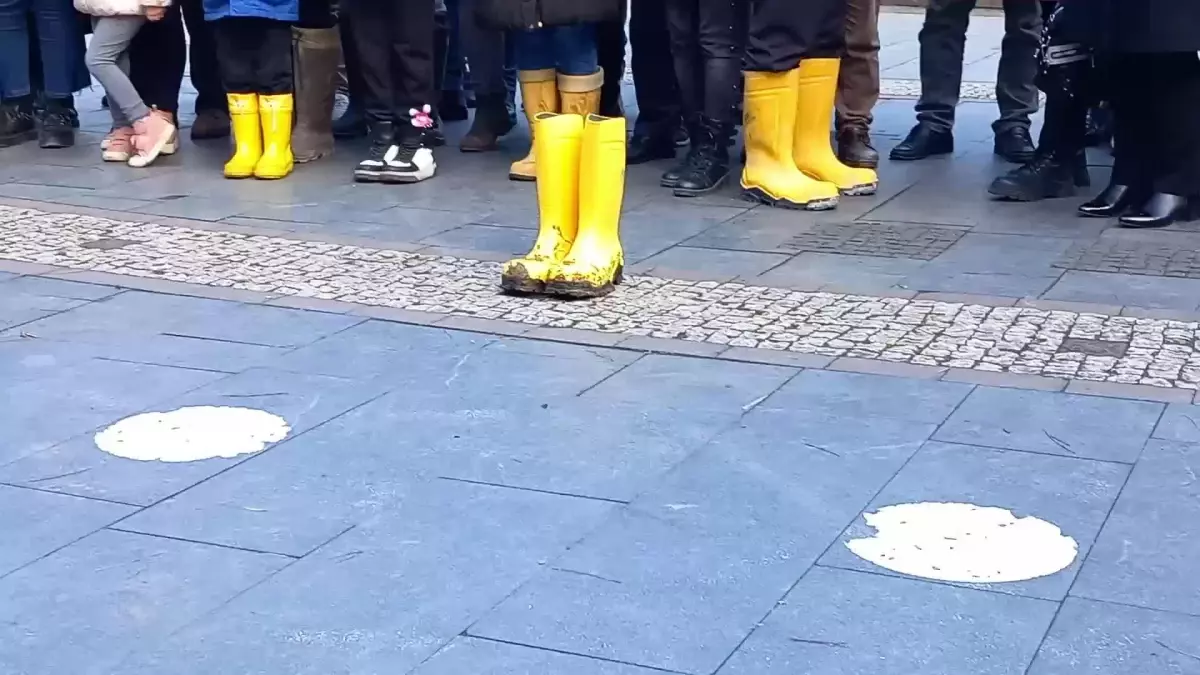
<point>486,53</point>
<point>659,114</point>
<point>353,121</point>
<point>536,69</point>
<point>316,49</point>
<point>111,37</point>
<point>60,46</point>
<point>943,38</point>
<point>1131,183</point>
<point>576,58</point>
<point>683,29</point>
<point>1016,92</point>
<point>858,85</point>
<point>1172,150</point>
<point>720,36</point>
<point>452,104</point>
<point>610,40</point>
<point>157,60</point>
<point>16,89</point>
<point>212,107</point>
<point>237,45</point>
<point>276,102</point>
<point>413,93</point>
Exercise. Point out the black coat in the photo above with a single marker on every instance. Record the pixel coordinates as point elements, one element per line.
<point>1137,26</point>
<point>530,14</point>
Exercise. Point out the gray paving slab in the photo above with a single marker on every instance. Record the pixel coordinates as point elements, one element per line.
<point>838,622</point>
<point>386,350</point>
<point>1074,494</point>
<point>849,273</point>
<point>135,313</point>
<point>1180,422</point>
<point>78,467</point>
<point>613,441</point>
<point>708,263</point>
<point>682,576</point>
<point>45,406</point>
<point>473,656</point>
<point>83,610</point>
<point>1127,289</point>
<point>489,238</point>
<point>1146,553</point>
<point>24,298</point>
<point>1098,638</point>
<point>868,397</point>
<point>58,288</point>
<point>1070,425</point>
<point>387,595</point>
<point>37,523</point>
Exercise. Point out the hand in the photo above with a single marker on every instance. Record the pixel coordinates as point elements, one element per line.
<point>155,13</point>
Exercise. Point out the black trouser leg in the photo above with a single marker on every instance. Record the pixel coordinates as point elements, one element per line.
<point>157,59</point>
<point>610,53</point>
<point>394,40</point>
<point>316,15</point>
<point>722,34</point>
<point>255,55</point>
<point>1173,80</point>
<point>782,32</point>
<point>205,70</point>
<point>653,73</point>
<point>1132,135</point>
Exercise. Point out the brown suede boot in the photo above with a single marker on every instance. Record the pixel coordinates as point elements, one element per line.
<point>315,54</point>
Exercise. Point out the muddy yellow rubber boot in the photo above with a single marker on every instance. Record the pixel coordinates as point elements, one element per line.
<point>580,94</point>
<point>817,92</point>
<point>539,94</point>
<point>770,175</point>
<point>557,143</point>
<point>275,112</point>
<point>596,262</point>
<point>247,135</point>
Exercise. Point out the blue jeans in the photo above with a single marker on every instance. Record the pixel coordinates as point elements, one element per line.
<point>60,45</point>
<point>571,50</point>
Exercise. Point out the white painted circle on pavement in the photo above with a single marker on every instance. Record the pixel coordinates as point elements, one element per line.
<point>964,543</point>
<point>193,433</point>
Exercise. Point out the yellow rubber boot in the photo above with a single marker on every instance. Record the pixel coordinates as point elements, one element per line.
<point>247,135</point>
<point>770,175</point>
<point>596,262</point>
<point>275,112</point>
<point>539,94</point>
<point>580,94</point>
<point>817,92</point>
<point>557,142</point>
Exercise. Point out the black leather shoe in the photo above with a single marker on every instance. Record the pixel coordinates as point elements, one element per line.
<point>1044,177</point>
<point>56,129</point>
<point>709,163</point>
<point>1015,145</point>
<point>649,146</point>
<point>1161,210</point>
<point>16,122</point>
<point>855,149</point>
<point>923,141</point>
<point>1114,201</point>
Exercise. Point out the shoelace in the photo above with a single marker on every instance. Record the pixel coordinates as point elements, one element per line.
<point>56,118</point>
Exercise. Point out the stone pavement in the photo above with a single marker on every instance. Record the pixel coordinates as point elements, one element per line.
<point>686,477</point>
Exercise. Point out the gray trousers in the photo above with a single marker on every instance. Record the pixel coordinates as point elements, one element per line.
<point>108,61</point>
<point>943,39</point>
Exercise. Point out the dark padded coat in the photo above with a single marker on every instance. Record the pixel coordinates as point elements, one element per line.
<point>1137,26</point>
<point>531,14</point>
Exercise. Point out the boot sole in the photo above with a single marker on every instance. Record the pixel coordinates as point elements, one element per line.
<point>683,192</point>
<point>757,196</point>
<point>905,157</point>
<point>522,179</point>
<point>860,190</point>
<point>1062,191</point>
<point>580,291</point>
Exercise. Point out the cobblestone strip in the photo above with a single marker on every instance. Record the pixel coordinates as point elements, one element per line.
<point>1023,340</point>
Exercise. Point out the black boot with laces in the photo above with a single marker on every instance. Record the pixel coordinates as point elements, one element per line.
<point>370,169</point>
<point>57,129</point>
<point>708,167</point>
<point>16,122</point>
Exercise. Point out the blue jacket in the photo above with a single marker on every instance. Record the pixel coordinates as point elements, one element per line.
<point>279,10</point>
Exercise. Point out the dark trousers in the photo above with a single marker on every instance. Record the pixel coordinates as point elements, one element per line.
<point>783,32</point>
<point>943,39</point>
<point>317,14</point>
<point>394,44</point>
<point>858,80</point>
<point>160,53</point>
<point>255,55</point>
<point>657,91</point>
<point>610,53</point>
<point>708,39</point>
<point>1154,97</point>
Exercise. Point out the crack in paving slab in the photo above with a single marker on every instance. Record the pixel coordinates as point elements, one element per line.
<point>1156,352</point>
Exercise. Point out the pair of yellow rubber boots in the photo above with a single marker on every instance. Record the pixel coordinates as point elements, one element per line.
<point>262,136</point>
<point>789,158</point>
<point>548,91</point>
<point>580,187</point>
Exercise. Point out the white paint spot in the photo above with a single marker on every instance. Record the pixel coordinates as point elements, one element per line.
<point>964,543</point>
<point>191,434</point>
